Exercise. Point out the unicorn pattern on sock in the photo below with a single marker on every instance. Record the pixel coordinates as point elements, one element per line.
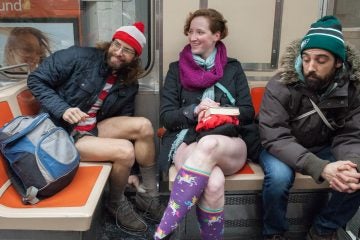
<point>173,227</point>
<point>187,178</point>
<point>191,203</point>
<point>174,207</point>
<point>213,219</point>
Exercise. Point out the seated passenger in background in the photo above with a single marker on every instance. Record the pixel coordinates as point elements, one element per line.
<point>203,77</point>
<point>310,123</point>
<point>91,93</point>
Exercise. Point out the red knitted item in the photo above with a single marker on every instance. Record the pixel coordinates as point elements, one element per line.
<point>214,121</point>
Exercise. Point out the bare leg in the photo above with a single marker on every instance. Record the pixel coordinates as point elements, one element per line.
<point>137,129</point>
<point>227,153</point>
<point>118,151</point>
<point>121,140</point>
<point>202,166</point>
<point>229,156</point>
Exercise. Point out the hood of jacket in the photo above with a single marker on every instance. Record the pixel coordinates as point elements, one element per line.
<point>288,74</point>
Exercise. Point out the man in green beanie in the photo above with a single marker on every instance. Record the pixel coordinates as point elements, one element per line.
<point>310,123</point>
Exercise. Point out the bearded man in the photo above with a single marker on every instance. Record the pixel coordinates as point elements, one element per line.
<point>310,123</point>
<point>91,93</point>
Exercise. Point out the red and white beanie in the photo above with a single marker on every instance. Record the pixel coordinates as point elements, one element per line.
<point>132,35</point>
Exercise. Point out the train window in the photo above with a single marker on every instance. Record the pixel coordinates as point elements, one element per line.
<point>61,24</point>
<point>101,18</point>
<point>31,30</point>
<point>348,12</point>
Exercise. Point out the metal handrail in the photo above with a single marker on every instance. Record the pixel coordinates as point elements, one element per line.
<point>14,76</point>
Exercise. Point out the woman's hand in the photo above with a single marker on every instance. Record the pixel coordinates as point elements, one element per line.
<point>204,105</point>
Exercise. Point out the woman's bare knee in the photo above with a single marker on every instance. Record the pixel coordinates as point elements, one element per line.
<point>207,145</point>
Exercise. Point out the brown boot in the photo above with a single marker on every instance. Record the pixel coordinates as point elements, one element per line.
<point>313,235</point>
<point>126,217</point>
<point>151,206</point>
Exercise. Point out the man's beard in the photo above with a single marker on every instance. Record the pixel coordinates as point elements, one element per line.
<point>317,83</point>
<point>121,66</point>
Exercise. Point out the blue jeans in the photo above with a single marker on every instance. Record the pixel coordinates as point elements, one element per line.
<point>279,178</point>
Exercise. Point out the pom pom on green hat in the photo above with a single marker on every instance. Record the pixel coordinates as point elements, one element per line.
<point>326,33</point>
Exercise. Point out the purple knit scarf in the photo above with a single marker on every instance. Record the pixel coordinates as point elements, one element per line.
<point>193,76</point>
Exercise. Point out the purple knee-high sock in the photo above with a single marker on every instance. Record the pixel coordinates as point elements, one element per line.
<point>188,186</point>
<point>211,223</point>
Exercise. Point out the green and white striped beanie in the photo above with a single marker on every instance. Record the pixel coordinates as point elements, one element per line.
<point>326,33</point>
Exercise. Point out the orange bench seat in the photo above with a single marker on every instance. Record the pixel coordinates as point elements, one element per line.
<point>72,209</point>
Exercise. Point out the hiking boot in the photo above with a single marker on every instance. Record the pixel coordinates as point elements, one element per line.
<point>313,235</point>
<point>151,206</point>
<point>126,217</point>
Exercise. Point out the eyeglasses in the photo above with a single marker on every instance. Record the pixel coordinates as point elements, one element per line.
<point>126,51</point>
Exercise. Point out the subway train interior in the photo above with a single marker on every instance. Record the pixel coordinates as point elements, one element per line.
<point>259,32</point>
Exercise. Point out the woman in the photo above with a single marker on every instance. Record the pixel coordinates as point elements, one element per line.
<point>189,90</point>
<point>26,45</point>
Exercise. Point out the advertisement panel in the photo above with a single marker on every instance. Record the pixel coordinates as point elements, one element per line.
<point>30,30</point>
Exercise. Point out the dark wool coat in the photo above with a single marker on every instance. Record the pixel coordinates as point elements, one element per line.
<point>74,77</point>
<point>177,105</point>
<point>295,142</point>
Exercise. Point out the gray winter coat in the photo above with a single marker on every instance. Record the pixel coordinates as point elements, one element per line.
<point>295,141</point>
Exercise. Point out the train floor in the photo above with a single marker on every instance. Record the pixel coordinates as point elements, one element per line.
<point>110,231</point>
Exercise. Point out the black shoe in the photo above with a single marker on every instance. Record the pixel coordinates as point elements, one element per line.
<point>151,206</point>
<point>126,217</point>
<point>313,235</point>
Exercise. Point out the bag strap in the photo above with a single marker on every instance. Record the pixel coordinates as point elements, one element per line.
<point>322,116</point>
<point>304,115</point>
<point>227,93</point>
<point>30,196</point>
<point>318,111</point>
<point>5,186</point>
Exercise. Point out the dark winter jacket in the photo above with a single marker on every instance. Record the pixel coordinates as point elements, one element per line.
<point>177,103</point>
<point>295,141</point>
<point>74,77</point>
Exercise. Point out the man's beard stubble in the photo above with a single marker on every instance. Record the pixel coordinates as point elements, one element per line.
<point>123,67</point>
<point>317,83</point>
